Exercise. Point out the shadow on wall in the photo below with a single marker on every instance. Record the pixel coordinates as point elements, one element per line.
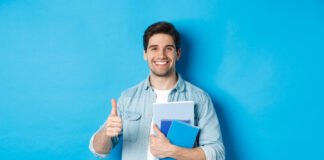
<point>227,129</point>
<point>223,113</point>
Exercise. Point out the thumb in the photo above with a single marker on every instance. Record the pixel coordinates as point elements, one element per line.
<point>157,131</point>
<point>113,107</point>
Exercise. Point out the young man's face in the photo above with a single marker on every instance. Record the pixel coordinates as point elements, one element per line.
<point>161,55</point>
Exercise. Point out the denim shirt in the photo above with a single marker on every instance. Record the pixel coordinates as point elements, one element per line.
<point>135,107</point>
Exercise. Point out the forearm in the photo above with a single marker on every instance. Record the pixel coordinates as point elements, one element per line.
<point>102,143</point>
<point>181,153</point>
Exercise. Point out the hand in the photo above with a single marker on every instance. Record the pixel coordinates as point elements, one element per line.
<point>160,145</point>
<point>113,123</point>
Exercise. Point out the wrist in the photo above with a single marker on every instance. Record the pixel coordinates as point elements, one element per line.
<point>173,150</point>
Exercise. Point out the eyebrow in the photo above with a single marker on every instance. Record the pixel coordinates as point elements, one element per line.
<point>170,45</point>
<point>155,45</point>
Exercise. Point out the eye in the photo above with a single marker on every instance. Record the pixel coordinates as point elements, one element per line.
<point>170,49</point>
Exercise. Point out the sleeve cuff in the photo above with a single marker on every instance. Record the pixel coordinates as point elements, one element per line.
<point>209,152</point>
<point>94,152</point>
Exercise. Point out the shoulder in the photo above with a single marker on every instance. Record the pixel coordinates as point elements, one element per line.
<point>134,90</point>
<point>195,91</point>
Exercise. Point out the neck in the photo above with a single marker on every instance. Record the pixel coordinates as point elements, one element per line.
<point>163,83</point>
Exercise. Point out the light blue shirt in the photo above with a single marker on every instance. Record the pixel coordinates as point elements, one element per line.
<point>134,106</point>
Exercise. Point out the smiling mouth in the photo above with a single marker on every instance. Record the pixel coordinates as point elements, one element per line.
<point>161,63</point>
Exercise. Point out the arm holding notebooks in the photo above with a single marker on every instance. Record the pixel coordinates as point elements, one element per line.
<point>210,145</point>
<point>162,148</point>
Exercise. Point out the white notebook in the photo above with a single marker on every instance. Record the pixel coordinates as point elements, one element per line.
<point>165,113</point>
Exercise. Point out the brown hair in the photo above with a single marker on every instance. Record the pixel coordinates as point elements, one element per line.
<point>161,27</point>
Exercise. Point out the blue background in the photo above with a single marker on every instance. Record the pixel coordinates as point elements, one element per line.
<point>62,61</point>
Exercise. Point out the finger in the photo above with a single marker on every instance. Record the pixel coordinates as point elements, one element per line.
<point>157,131</point>
<point>115,125</point>
<point>112,134</point>
<point>113,107</point>
<point>114,119</point>
<point>110,129</point>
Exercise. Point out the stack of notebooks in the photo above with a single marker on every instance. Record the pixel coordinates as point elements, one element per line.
<point>175,120</point>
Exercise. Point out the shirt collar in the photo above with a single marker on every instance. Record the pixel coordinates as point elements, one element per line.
<point>179,85</point>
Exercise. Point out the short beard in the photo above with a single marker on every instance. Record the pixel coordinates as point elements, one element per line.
<point>166,74</point>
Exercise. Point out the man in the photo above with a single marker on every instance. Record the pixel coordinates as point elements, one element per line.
<point>132,116</point>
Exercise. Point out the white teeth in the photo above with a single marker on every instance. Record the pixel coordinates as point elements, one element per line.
<point>160,62</point>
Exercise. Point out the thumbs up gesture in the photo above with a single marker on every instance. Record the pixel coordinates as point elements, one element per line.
<point>113,123</point>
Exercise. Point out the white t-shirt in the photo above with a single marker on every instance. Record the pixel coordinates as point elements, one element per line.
<point>161,97</point>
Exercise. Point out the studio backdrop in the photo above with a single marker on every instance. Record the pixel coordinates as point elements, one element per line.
<point>261,61</point>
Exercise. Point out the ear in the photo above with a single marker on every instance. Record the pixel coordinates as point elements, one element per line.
<point>145,55</point>
<point>178,54</point>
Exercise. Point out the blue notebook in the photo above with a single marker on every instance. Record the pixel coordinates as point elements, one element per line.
<point>182,135</point>
<point>166,123</point>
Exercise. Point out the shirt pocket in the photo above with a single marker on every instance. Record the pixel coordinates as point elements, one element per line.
<point>131,126</point>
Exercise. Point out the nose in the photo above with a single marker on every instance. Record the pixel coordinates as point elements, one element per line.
<point>162,54</point>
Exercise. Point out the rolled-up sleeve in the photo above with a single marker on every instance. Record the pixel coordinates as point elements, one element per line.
<point>210,137</point>
<point>114,142</point>
<point>93,151</point>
